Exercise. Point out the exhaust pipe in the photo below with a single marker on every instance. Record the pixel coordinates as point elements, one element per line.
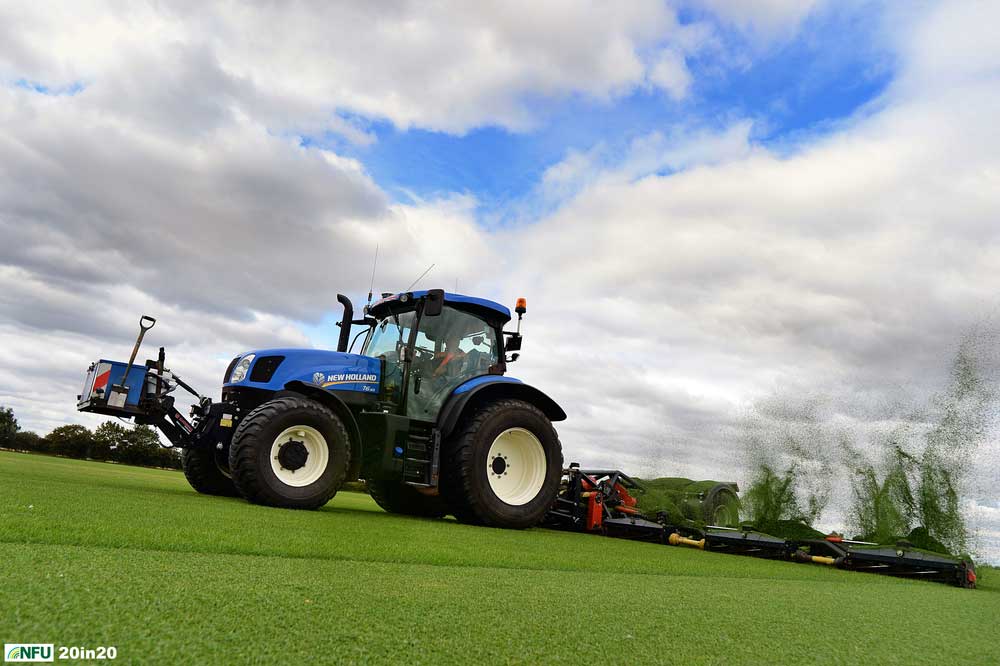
<point>345,323</point>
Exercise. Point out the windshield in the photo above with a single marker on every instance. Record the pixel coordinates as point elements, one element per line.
<point>390,335</point>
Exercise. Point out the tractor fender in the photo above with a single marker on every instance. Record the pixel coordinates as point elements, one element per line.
<point>340,408</point>
<point>490,388</point>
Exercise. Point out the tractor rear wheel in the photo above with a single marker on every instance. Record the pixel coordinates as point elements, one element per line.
<point>502,467</point>
<point>202,471</point>
<point>290,452</point>
<point>397,497</point>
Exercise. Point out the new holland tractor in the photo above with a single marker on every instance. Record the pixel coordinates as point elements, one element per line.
<point>424,412</point>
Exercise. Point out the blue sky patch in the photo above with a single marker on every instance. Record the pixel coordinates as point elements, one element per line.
<point>791,90</point>
<point>43,89</point>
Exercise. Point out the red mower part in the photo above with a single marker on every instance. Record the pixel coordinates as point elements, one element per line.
<point>626,498</point>
<point>595,512</point>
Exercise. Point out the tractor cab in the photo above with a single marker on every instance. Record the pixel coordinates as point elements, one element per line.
<point>431,343</point>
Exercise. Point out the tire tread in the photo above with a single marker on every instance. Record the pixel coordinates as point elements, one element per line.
<point>204,475</point>
<point>456,478</point>
<point>244,450</point>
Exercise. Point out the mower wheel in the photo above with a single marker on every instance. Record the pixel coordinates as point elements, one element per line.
<point>397,497</point>
<point>722,506</point>
<point>290,452</point>
<point>502,467</point>
<point>202,471</point>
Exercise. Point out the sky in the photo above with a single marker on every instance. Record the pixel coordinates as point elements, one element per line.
<point>709,205</point>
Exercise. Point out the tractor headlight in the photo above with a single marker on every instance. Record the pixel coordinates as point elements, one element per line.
<point>241,369</point>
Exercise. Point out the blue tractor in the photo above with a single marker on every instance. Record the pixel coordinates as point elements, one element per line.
<point>423,411</point>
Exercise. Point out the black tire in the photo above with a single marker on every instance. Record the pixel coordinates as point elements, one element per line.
<point>397,497</point>
<point>721,506</point>
<point>202,471</point>
<point>465,485</point>
<point>251,452</point>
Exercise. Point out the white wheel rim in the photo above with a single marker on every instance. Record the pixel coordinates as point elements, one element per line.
<point>315,464</point>
<point>515,466</point>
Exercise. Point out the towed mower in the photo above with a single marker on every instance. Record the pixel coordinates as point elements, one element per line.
<point>604,502</point>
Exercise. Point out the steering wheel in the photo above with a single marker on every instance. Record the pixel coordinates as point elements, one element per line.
<point>421,354</point>
<point>423,362</point>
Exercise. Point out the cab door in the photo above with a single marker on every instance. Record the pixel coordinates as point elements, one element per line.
<point>449,349</point>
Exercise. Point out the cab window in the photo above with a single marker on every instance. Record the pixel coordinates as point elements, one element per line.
<point>451,349</point>
<point>388,340</point>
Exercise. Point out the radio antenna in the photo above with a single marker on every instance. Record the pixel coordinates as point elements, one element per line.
<point>371,287</point>
<point>421,277</point>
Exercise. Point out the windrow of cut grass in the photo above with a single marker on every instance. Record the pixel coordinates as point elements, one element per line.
<point>98,554</point>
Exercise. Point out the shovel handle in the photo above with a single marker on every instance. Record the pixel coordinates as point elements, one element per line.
<point>143,327</point>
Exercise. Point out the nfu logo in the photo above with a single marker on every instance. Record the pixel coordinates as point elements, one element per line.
<point>21,652</point>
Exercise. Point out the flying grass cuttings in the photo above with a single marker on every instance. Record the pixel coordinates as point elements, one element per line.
<point>906,484</point>
<point>883,508</point>
<point>773,506</point>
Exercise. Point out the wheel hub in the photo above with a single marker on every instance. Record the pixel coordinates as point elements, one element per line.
<point>300,456</point>
<point>293,455</point>
<point>499,465</point>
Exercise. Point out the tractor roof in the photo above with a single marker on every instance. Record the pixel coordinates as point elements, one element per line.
<point>490,309</point>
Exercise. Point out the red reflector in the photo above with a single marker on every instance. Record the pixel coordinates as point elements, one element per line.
<point>102,380</point>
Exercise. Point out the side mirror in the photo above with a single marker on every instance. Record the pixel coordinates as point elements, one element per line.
<point>434,302</point>
<point>512,343</point>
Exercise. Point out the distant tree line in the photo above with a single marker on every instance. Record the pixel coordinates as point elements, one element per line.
<point>110,441</point>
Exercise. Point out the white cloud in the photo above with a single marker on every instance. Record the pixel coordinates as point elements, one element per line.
<point>671,73</point>
<point>441,66</point>
<point>650,154</point>
<point>952,46</point>
<point>764,18</point>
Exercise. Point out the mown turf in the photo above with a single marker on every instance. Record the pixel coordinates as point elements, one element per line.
<point>98,554</point>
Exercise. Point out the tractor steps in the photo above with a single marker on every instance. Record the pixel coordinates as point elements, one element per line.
<point>421,455</point>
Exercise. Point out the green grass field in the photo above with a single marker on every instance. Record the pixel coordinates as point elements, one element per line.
<point>97,554</point>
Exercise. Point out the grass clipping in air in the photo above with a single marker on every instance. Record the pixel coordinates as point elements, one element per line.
<point>905,484</point>
<point>774,508</point>
<point>915,495</point>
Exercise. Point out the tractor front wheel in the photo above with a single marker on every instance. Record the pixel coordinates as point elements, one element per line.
<point>503,466</point>
<point>202,471</point>
<point>290,452</point>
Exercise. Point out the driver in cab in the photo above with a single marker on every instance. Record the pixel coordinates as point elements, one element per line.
<point>448,361</point>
